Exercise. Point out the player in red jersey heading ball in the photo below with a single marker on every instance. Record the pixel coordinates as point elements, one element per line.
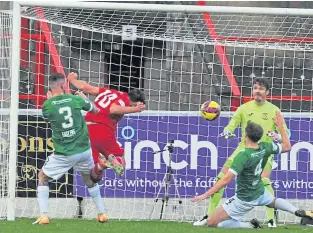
<point>102,126</point>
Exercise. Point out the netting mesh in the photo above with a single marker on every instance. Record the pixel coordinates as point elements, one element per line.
<point>5,84</point>
<point>256,29</point>
<point>173,57</point>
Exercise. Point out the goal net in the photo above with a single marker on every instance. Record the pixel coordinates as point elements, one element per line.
<point>5,53</point>
<point>180,59</point>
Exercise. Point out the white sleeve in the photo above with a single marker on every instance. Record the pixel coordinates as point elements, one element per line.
<point>277,148</point>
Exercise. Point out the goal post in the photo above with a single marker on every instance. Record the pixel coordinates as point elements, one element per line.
<point>180,56</point>
<point>15,74</point>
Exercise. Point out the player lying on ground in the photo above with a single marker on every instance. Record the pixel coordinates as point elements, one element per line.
<point>250,192</point>
<point>102,126</point>
<point>263,113</point>
<point>71,144</point>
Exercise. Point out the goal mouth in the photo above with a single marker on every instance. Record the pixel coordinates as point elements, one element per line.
<point>263,32</point>
<point>181,57</point>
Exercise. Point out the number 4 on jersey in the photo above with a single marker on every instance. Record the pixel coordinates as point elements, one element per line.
<point>258,169</point>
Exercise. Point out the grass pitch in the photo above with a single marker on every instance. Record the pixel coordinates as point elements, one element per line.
<point>84,226</point>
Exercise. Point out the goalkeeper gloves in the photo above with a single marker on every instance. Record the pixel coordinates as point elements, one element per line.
<point>275,136</point>
<point>227,135</point>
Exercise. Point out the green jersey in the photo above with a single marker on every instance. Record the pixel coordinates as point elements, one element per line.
<point>69,130</point>
<point>248,166</point>
<point>263,115</point>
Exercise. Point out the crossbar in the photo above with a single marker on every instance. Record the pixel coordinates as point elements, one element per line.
<point>171,8</point>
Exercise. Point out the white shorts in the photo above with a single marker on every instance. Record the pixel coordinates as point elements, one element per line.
<point>236,208</point>
<point>57,165</point>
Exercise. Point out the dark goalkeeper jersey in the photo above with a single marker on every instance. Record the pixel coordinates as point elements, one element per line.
<point>69,130</point>
<point>248,166</point>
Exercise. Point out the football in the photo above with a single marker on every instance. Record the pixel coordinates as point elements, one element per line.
<point>210,110</point>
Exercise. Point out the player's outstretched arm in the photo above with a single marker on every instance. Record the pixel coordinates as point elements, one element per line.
<point>233,124</point>
<point>87,105</point>
<point>121,110</point>
<point>82,85</point>
<point>276,134</point>
<point>218,186</point>
<point>287,131</point>
<point>279,122</point>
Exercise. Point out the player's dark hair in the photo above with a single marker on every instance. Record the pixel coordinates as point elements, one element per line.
<point>136,95</point>
<point>55,80</point>
<point>254,132</point>
<point>262,82</point>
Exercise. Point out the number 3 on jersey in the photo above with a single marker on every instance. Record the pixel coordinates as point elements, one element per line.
<point>105,98</point>
<point>67,114</point>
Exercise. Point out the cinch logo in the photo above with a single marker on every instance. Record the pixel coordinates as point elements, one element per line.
<point>133,159</point>
<point>134,150</point>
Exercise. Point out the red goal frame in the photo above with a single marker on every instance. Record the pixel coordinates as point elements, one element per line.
<point>43,38</point>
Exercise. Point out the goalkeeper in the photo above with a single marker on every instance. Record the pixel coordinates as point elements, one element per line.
<point>257,111</point>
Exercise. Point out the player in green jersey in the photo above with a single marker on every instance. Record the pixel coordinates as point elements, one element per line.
<point>71,144</point>
<point>250,192</point>
<point>263,113</point>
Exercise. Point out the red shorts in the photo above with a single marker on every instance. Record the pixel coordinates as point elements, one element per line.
<point>103,140</point>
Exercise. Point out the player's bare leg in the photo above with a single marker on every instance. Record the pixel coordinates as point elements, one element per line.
<point>221,219</point>
<point>217,217</point>
<point>97,171</point>
<point>94,191</point>
<point>101,163</point>
<point>43,197</point>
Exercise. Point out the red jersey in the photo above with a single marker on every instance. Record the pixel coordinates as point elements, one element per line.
<point>104,101</point>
